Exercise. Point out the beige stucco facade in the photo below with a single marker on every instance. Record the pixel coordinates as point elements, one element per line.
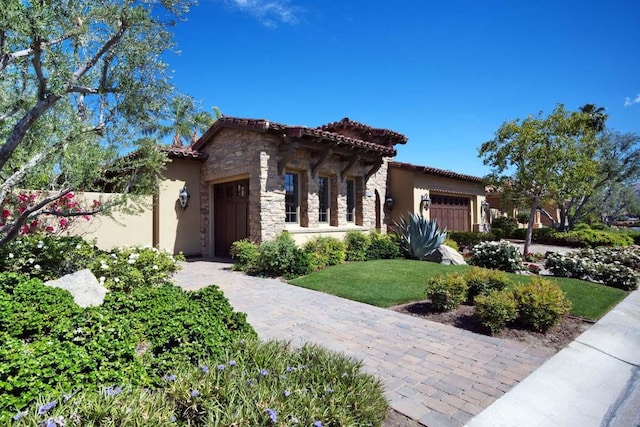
<point>120,230</point>
<point>410,184</point>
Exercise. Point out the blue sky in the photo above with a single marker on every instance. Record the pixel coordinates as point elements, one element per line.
<point>446,74</point>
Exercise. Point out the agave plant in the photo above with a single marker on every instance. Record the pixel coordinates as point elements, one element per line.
<point>418,236</point>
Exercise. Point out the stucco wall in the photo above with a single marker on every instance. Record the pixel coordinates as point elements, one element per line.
<point>122,230</point>
<point>407,187</point>
<point>178,228</point>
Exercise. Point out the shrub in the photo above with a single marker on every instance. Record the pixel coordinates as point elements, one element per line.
<point>252,384</point>
<point>357,245</point>
<point>497,255</point>
<point>451,243</point>
<point>615,267</point>
<point>495,309</point>
<point>541,304</point>
<point>246,253</point>
<point>502,227</point>
<point>446,292</point>
<point>281,257</point>
<point>483,281</point>
<point>468,239</point>
<point>130,339</point>
<point>48,257</point>
<point>418,237</point>
<point>325,251</point>
<point>382,246</point>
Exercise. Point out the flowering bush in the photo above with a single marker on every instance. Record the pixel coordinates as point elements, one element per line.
<point>45,256</point>
<point>57,216</point>
<point>497,255</point>
<point>617,267</point>
<point>255,383</point>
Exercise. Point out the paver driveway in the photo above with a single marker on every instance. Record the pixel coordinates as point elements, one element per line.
<point>434,373</point>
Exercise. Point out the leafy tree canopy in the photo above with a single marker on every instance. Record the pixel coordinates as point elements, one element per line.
<point>79,82</point>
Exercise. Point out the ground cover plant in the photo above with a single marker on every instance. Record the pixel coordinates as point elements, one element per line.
<point>153,354</point>
<point>386,283</point>
<point>252,384</point>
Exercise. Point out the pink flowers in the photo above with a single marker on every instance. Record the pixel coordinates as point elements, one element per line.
<point>14,205</point>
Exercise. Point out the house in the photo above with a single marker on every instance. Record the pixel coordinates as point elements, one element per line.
<point>254,178</point>
<point>456,201</point>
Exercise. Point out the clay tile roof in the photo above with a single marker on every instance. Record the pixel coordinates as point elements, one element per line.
<point>435,171</point>
<point>391,136</point>
<point>183,153</point>
<point>262,125</point>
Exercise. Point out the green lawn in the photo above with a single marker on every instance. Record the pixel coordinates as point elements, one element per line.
<point>385,283</point>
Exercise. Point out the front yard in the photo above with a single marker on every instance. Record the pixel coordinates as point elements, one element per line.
<point>385,283</point>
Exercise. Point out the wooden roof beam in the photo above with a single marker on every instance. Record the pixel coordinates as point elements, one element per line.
<point>323,158</point>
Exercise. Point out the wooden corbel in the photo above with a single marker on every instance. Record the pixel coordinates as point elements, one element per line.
<point>323,158</point>
<point>375,168</point>
<point>288,150</point>
<point>352,161</point>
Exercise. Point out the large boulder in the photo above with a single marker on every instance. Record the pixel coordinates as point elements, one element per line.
<point>447,255</point>
<point>83,286</point>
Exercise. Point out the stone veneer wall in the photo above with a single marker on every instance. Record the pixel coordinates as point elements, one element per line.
<point>237,154</point>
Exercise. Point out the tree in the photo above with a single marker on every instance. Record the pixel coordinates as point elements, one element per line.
<point>597,116</point>
<point>539,159</point>
<point>78,82</point>
<point>185,121</point>
<point>617,166</point>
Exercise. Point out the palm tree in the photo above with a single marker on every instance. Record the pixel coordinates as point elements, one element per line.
<point>186,123</point>
<point>598,116</point>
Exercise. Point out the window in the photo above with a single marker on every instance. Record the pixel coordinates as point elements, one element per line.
<point>323,196</point>
<point>292,196</point>
<point>351,200</point>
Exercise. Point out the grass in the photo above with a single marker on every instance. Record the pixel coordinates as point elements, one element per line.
<point>385,283</point>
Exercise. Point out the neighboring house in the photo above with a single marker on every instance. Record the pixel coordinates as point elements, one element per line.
<point>249,178</point>
<point>456,201</point>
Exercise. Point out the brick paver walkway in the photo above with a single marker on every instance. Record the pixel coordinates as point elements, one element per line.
<point>434,373</point>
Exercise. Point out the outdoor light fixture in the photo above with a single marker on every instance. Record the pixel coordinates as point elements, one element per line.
<point>389,203</point>
<point>484,204</point>
<point>425,202</point>
<point>183,197</point>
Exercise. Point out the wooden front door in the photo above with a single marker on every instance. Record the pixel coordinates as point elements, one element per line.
<point>451,212</point>
<point>231,215</point>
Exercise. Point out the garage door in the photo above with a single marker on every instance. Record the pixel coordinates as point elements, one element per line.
<point>451,212</point>
<point>231,214</point>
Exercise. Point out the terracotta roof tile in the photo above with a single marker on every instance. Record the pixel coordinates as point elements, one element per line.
<point>389,135</point>
<point>435,171</point>
<point>262,125</point>
<point>183,153</point>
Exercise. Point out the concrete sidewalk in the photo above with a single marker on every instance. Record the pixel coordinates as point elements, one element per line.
<point>595,381</point>
<point>433,373</point>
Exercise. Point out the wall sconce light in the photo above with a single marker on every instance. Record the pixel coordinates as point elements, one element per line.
<point>485,205</point>
<point>389,203</point>
<point>183,197</point>
<point>425,202</point>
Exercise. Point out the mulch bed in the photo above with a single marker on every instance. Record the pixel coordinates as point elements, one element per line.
<point>554,339</point>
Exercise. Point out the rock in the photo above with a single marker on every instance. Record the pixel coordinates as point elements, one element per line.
<point>447,255</point>
<point>83,286</point>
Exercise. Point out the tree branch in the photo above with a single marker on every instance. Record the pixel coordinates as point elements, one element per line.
<point>12,230</point>
<point>14,179</point>
<point>115,39</point>
<point>8,58</point>
<point>37,66</point>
